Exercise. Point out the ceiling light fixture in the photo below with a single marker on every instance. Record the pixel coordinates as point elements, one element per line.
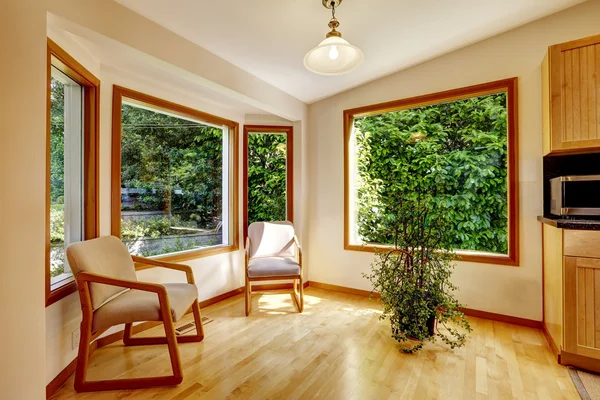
<point>334,55</point>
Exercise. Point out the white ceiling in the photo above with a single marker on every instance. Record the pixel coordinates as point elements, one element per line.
<point>269,38</point>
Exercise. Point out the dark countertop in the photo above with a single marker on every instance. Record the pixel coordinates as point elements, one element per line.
<point>571,223</point>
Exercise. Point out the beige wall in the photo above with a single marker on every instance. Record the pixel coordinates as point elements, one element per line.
<point>22,194</point>
<point>513,291</point>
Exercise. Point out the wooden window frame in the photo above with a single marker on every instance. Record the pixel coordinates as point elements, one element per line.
<point>60,59</point>
<point>508,86</point>
<point>289,153</point>
<point>158,104</point>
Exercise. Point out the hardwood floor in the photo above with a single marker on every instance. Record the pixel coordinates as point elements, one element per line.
<point>336,349</point>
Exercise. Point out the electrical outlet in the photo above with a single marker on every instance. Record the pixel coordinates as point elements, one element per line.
<point>75,336</point>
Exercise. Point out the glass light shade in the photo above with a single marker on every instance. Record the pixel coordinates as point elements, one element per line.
<point>333,56</point>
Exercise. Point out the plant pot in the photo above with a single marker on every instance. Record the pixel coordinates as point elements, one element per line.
<point>431,325</point>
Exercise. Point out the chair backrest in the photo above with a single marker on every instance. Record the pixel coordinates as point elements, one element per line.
<point>271,239</point>
<point>107,256</point>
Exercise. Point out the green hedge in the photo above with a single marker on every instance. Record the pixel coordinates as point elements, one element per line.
<point>455,151</point>
<point>266,177</point>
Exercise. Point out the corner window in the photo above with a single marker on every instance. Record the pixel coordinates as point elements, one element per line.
<point>268,174</point>
<point>457,146</point>
<point>71,183</point>
<point>176,189</point>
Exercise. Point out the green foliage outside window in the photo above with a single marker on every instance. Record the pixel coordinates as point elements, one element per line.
<point>455,152</point>
<point>266,177</point>
<point>57,238</point>
<point>171,179</point>
<point>57,179</point>
<point>57,142</point>
<point>154,227</point>
<point>176,164</point>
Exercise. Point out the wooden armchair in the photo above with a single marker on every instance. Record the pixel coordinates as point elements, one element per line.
<point>273,252</point>
<point>110,294</point>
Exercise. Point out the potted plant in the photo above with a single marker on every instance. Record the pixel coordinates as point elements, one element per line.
<point>413,276</point>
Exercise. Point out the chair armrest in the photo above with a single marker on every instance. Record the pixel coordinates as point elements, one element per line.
<point>151,263</point>
<point>299,250</point>
<point>297,243</point>
<point>85,277</point>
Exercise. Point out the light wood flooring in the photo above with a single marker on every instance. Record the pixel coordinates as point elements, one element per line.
<point>336,349</point>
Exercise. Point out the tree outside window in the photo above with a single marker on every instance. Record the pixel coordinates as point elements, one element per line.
<point>456,152</point>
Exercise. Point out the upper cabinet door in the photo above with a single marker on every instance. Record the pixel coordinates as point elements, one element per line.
<point>572,97</point>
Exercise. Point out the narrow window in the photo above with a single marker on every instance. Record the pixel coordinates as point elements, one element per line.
<point>268,173</point>
<point>71,185</point>
<point>176,193</point>
<point>458,148</point>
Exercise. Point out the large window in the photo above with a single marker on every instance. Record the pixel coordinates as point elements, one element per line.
<point>71,177</point>
<point>268,174</point>
<point>456,149</point>
<point>174,169</point>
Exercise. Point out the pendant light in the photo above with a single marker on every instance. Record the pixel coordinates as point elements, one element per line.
<point>334,55</point>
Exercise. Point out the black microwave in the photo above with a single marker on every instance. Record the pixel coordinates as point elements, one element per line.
<point>575,195</point>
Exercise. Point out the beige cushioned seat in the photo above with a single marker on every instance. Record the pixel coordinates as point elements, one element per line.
<point>136,305</point>
<point>273,266</point>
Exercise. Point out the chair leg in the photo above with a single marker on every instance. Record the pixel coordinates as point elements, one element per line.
<point>197,321</point>
<point>83,353</point>
<point>81,385</point>
<point>170,338</point>
<point>298,294</point>
<point>127,332</point>
<point>172,344</point>
<point>248,296</point>
<point>301,295</point>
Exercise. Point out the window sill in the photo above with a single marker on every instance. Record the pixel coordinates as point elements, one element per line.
<point>60,290</point>
<point>487,258</point>
<point>464,256</point>
<point>194,254</point>
<point>61,280</point>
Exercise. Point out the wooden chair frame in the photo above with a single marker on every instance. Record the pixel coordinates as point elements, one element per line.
<point>298,284</point>
<point>170,338</point>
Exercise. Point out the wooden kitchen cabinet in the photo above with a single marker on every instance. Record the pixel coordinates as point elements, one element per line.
<point>571,97</point>
<point>571,276</point>
<point>582,306</point>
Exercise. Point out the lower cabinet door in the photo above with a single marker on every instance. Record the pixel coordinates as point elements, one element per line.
<point>582,306</point>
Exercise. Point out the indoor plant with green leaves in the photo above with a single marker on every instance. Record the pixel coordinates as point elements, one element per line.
<point>429,180</point>
<point>413,276</point>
